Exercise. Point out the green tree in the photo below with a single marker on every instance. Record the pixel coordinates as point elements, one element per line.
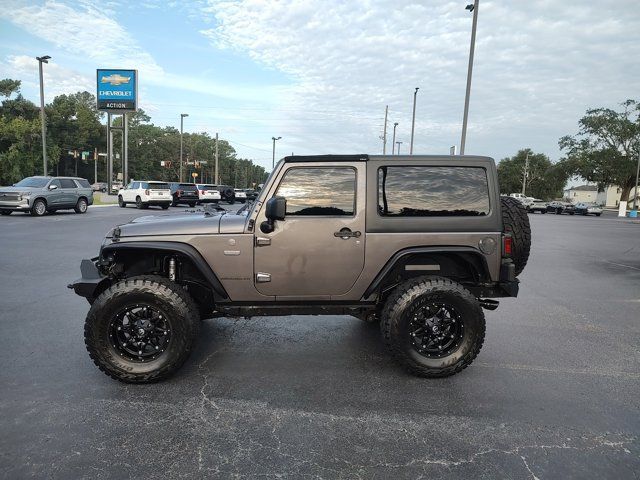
<point>606,148</point>
<point>545,180</point>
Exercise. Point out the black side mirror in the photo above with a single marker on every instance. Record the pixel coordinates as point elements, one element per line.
<point>276,209</point>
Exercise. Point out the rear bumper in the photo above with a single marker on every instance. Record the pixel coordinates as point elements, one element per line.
<point>157,203</point>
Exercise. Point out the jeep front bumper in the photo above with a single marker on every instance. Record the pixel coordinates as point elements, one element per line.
<point>91,279</point>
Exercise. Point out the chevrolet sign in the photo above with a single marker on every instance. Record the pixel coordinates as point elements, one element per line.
<point>117,90</point>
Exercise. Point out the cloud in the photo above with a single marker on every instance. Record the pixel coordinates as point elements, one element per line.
<point>538,67</point>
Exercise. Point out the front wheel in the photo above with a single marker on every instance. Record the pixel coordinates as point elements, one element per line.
<point>39,208</point>
<point>433,326</point>
<point>5,212</point>
<point>141,329</point>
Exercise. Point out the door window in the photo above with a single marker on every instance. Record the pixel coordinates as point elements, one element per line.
<point>319,191</point>
<point>55,182</point>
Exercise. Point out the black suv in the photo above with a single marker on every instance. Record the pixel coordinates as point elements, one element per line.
<point>185,193</point>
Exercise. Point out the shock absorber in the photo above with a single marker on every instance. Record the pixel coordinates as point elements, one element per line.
<point>172,269</point>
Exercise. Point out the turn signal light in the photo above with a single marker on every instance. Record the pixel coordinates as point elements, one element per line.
<point>508,245</point>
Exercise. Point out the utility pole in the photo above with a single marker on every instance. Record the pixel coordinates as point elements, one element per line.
<point>384,134</point>
<point>472,8</point>
<point>41,60</point>
<point>273,160</point>
<point>393,143</point>
<point>216,179</point>
<point>413,121</point>
<point>95,165</point>
<point>526,173</point>
<point>635,192</point>
<point>182,115</point>
<point>398,143</point>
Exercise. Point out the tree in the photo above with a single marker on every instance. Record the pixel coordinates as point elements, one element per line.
<point>605,150</point>
<point>545,180</point>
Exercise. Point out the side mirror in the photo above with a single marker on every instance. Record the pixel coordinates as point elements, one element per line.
<point>276,209</point>
<point>52,187</point>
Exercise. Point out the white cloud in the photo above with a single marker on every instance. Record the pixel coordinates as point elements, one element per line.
<point>539,66</point>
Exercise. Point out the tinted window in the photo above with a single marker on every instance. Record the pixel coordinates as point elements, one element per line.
<point>134,185</point>
<point>185,186</point>
<point>67,183</point>
<point>319,191</point>
<point>83,183</point>
<point>432,191</point>
<point>206,187</point>
<point>157,186</point>
<point>32,182</point>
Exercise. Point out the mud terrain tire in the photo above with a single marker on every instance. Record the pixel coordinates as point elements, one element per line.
<point>516,222</point>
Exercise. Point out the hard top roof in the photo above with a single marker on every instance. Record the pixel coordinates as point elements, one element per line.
<point>364,157</point>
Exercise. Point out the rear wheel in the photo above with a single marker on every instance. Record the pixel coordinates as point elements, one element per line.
<point>5,212</point>
<point>141,329</point>
<point>434,327</point>
<point>39,208</point>
<point>192,204</point>
<point>165,206</point>
<point>81,206</point>
<point>121,202</point>
<point>516,223</point>
<point>139,203</point>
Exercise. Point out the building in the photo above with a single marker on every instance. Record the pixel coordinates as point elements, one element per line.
<point>583,193</point>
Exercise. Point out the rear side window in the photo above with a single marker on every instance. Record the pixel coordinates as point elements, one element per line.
<point>67,183</point>
<point>423,191</point>
<point>327,191</point>
<point>83,183</point>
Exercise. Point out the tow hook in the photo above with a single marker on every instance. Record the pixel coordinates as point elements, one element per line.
<point>488,304</point>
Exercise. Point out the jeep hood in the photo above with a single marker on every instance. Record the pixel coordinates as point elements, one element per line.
<point>188,224</point>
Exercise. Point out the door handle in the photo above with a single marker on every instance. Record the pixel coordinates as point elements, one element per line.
<point>346,233</point>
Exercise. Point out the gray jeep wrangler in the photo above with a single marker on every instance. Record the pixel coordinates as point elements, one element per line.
<point>417,244</point>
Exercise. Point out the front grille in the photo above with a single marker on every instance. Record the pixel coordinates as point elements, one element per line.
<point>9,196</point>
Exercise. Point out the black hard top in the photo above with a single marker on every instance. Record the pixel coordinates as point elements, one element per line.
<point>365,157</point>
<point>326,158</point>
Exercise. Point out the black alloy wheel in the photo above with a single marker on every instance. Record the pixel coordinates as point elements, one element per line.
<point>140,332</point>
<point>436,329</point>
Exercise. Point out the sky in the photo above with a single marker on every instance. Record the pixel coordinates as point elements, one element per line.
<point>319,73</point>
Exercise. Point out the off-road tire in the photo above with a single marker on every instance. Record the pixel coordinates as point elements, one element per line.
<point>158,292</point>
<point>121,203</point>
<point>81,206</point>
<point>36,208</point>
<point>5,212</point>
<point>397,315</point>
<point>516,222</point>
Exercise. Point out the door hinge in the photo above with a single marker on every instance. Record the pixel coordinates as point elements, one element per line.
<point>263,277</point>
<point>262,241</point>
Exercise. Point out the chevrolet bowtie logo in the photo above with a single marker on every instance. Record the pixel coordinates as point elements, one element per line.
<point>115,79</point>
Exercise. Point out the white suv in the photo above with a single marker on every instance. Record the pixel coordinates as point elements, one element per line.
<point>207,193</point>
<point>241,195</point>
<point>144,194</point>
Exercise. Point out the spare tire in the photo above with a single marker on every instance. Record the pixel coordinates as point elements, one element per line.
<point>515,221</point>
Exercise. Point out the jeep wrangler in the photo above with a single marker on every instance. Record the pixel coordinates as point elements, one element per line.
<point>417,244</point>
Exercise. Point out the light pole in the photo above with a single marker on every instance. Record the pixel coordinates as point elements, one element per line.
<point>273,160</point>
<point>182,115</point>
<point>41,60</point>
<point>472,8</point>
<point>393,143</point>
<point>635,192</point>
<point>398,143</point>
<point>413,121</point>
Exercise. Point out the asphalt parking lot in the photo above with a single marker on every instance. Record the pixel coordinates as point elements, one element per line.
<point>554,392</point>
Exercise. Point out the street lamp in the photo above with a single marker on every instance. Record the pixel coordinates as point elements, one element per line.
<point>182,115</point>
<point>41,60</point>
<point>273,160</point>
<point>413,121</point>
<point>472,8</point>
<point>398,143</point>
<point>635,192</point>
<point>393,143</point>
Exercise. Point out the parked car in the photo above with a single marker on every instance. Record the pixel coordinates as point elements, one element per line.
<point>240,195</point>
<point>116,187</point>
<point>184,193</point>
<point>227,193</point>
<point>39,195</point>
<point>588,209</point>
<point>99,187</point>
<point>559,208</point>
<point>251,194</point>
<point>537,206</point>
<point>207,193</point>
<point>145,194</point>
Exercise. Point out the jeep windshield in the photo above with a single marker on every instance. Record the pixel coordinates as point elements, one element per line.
<point>32,182</point>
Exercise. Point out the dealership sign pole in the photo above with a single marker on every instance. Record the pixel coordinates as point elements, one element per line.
<point>117,94</point>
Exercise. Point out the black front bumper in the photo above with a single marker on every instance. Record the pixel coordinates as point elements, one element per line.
<point>91,279</point>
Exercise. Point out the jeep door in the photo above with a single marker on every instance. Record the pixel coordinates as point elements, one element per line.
<point>318,249</point>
